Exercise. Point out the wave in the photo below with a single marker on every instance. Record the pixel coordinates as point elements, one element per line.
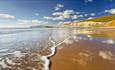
<point>16,59</point>
<point>53,51</point>
<point>11,31</point>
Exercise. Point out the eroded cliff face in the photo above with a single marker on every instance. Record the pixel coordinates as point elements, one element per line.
<point>91,24</point>
<point>84,24</point>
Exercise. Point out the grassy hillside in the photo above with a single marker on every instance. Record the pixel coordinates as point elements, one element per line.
<point>102,19</point>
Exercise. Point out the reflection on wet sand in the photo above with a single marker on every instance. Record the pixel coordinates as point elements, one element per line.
<point>77,49</point>
<point>86,50</point>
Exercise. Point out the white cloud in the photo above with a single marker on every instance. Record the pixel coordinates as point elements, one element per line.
<point>67,14</point>
<point>54,18</point>
<point>66,22</point>
<point>111,11</point>
<point>85,15</point>
<point>59,18</point>
<point>81,16</point>
<point>92,14</point>
<point>58,7</point>
<point>90,18</point>
<point>77,12</point>
<point>75,17</point>
<point>48,18</point>
<point>89,14</point>
<point>57,13</point>
<point>6,16</point>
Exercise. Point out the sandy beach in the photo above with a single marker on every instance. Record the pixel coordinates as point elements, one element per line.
<point>84,54</point>
<point>65,49</point>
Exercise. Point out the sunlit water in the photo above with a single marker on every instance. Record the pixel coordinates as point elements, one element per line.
<point>29,49</point>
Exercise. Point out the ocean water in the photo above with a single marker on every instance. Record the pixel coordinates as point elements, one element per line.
<point>30,49</point>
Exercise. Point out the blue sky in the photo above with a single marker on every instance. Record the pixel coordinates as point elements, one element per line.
<point>48,12</point>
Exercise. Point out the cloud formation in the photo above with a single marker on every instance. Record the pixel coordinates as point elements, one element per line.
<point>92,14</point>
<point>111,11</point>
<point>67,14</point>
<point>90,18</point>
<point>58,7</point>
<point>54,18</point>
<point>66,22</point>
<point>6,16</point>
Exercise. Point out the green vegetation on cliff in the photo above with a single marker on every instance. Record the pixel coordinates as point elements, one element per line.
<point>102,19</point>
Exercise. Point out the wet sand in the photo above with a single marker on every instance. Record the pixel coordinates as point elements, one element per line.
<point>76,49</point>
<point>84,55</point>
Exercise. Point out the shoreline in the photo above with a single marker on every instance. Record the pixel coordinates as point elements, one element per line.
<point>47,58</point>
<point>83,55</point>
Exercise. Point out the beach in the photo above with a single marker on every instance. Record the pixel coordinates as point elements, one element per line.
<point>29,49</point>
<point>57,49</point>
<point>88,50</point>
<point>57,34</point>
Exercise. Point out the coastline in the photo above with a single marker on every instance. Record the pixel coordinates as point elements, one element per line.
<point>83,55</point>
<point>47,58</point>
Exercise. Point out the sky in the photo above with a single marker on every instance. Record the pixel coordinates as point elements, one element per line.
<point>24,13</point>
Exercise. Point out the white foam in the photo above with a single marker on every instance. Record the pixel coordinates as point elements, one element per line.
<point>15,54</point>
<point>46,64</point>
<point>10,61</point>
<point>3,64</point>
<point>53,50</point>
<point>18,54</point>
